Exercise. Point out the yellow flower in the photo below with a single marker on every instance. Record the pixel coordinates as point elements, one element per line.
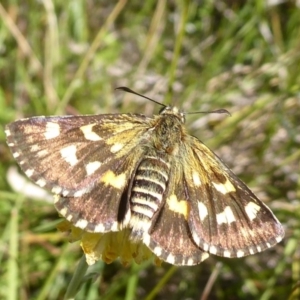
<point>108,246</point>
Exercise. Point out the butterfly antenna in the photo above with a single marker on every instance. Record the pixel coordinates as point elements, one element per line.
<point>128,90</point>
<point>218,111</point>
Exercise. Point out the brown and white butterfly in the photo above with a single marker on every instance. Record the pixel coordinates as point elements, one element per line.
<point>116,171</point>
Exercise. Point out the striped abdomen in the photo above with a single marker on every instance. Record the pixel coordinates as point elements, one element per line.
<point>147,193</point>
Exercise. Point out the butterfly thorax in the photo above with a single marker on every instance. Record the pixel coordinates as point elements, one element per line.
<point>168,130</point>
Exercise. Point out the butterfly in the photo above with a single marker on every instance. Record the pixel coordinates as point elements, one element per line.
<point>116,171</point>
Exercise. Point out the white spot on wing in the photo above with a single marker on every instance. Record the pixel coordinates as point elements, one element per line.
<point>170,259</point>
<point>203,213</point>
<point>42,153</point>
<point>89,134</point>
<point>52,130</point>
<point>226,253</point>
<point>205,247</point>
<point>157,250</point>
<point>196,178</point>
<point>240,253</point>
<point>251,250</point>
<point>190,261</point>
<point>99,228</point>
<point>41,182</point>
<point>56,198</point>
<point>226,216</point>
<point>146,239</point>
<point>116,147</point>
<point>29,172</point>
<point>196,239</point>
<point>81,223</point>
<point>34,148</point>
<point>65,193</point>
<point>212,250</point>
<point>92,167</point>
<point>7,132</point>
<point>80,193</point>
<point>63,211</point>
<point>224,188</point>
<point>252,210</point>
<point>16,154</point>
<point>69,154</point>
<point>56,190</point>
<point>69,218</point>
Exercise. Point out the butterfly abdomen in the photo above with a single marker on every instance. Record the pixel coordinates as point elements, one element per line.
<point>147,192</point>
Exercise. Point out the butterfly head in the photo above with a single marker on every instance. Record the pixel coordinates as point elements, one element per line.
<point>174,111</point>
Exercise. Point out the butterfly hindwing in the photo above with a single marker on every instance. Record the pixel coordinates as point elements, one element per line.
<point>170,237</point>
<point>102,208</point>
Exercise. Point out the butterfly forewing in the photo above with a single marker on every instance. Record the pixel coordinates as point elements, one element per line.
<point>66,155</point>
<point>119,171</point>
<point>227,219</point>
